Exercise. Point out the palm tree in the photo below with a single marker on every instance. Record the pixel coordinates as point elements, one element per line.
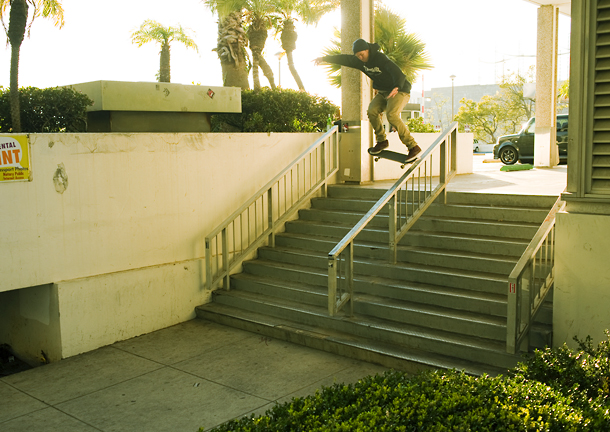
<point>232,42</point>
<point>18,23</point>
<point>152,31</point>
<point>260,17</point>
<point>310,11</point>
<point>404,49</point>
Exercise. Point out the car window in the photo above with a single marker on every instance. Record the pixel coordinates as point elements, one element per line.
<point>562,125</point>
<point>531,128</point>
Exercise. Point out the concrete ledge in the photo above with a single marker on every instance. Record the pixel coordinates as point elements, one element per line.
<point>155,107</point>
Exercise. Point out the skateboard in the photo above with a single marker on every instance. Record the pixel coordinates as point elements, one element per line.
<point>401,158</point>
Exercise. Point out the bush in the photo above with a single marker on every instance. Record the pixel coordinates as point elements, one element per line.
<point>417,125</point>
<point>56,109</point>
<point>281,110</point>
<point>585,372</point>
<point>536,396</point>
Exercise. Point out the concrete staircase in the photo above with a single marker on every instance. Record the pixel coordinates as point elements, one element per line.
<point>442,306</point>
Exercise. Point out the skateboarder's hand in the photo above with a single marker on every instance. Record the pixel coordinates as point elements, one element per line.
<point>393,93</point>
<point>318,61</point>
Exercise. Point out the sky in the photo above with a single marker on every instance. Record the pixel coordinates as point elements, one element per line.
<point>474,40</point>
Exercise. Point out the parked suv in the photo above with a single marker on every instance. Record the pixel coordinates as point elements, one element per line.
<point>520,146</point>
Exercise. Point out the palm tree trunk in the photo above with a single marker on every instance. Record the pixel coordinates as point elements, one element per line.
<point>256,82</point>
<point>267,71</point>
<point>231,51</point>
<point>257,35</point>
<point>293,70</point>
<point>164,72</point>
<point>16,32</point>
<point>289,43</point>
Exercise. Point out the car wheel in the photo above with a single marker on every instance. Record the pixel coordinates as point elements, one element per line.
<point>509,155</point>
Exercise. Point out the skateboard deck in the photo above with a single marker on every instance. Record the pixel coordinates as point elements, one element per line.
<point>401,158</point>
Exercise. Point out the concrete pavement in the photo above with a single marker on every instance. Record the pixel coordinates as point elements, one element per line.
<point>195,374</point>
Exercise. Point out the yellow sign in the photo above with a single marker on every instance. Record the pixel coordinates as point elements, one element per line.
<point>14,158</point>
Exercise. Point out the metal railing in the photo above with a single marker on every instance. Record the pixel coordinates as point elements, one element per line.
<point>407,199</point>
<point>530,281</point>
<point>231,242</point>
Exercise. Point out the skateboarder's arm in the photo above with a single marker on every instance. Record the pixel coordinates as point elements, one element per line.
<point>340,59</point>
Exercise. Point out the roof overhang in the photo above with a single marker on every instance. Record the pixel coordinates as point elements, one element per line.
<point>565,6</point>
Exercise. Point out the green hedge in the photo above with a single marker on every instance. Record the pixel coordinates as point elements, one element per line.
<point>56,109</point>
<point>556,390</point>
<point>282,110</point>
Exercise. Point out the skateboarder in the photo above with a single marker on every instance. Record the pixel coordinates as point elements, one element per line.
<point>392,92</point>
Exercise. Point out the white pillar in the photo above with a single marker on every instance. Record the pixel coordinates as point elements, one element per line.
<point>354,162</point>
<point>546,154</point>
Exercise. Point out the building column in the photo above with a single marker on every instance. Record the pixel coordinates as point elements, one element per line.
<point>355,163</point>
<point>546,154</point>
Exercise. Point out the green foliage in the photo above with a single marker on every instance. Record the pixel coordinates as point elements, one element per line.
<point>417,125</point>
<point>55,109</point>
<point>584,373</point>
<point>483,117</point>
<point>403,48</point>
<point>281,110</point>
<point>557,390</point>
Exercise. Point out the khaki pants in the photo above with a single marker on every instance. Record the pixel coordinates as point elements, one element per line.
<point>392,107</point>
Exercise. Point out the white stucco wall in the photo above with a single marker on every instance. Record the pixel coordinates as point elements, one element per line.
<point>122,247</point>
<point>581,299</point>
<point>132,201</point>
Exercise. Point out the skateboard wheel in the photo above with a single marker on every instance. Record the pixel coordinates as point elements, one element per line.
<point>376,159</point>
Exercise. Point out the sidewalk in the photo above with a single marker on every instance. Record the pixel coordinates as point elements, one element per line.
<point>195,374</point>
<point>201,374</point>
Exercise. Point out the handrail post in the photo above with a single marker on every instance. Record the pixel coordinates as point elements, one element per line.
<point>270,217</point>
<point>332,284</point>
<point>225,259</point>
<point>392,228</point>
<point>323,191</point>
<point>350,277</point>
<point>208,265</point>
<point>443,168</point>
<point>511,322</point>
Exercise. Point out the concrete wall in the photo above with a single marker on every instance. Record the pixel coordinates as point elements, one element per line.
<point>582,283</point>
<point>118,252</point>
<point>389,170</point>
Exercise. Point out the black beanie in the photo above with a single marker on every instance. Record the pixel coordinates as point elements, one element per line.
<point>360,45</point>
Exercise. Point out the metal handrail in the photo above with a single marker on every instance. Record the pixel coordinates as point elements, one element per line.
<point>531,279</point>
<point>231,242</point>
<point>405,207</point>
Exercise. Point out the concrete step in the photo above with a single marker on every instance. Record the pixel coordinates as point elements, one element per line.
<point>389,355</point>
<point>442,305</point>
<point>453,278</point>
<point>289,245</point>
<point>464,211</point>
<point>375,305</point>
<point>434,341</point>
<point>514,230</point>
<point>374,193</point>
<point>435,295</point>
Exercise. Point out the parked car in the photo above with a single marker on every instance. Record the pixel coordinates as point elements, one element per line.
<point>479,146</point>
<point>520,146</point>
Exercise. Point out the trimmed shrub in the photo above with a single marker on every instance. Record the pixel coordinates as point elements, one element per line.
<point>55,109</point>
<point>584,373</point>
<point>556,390</point>
<point>282,110</point>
